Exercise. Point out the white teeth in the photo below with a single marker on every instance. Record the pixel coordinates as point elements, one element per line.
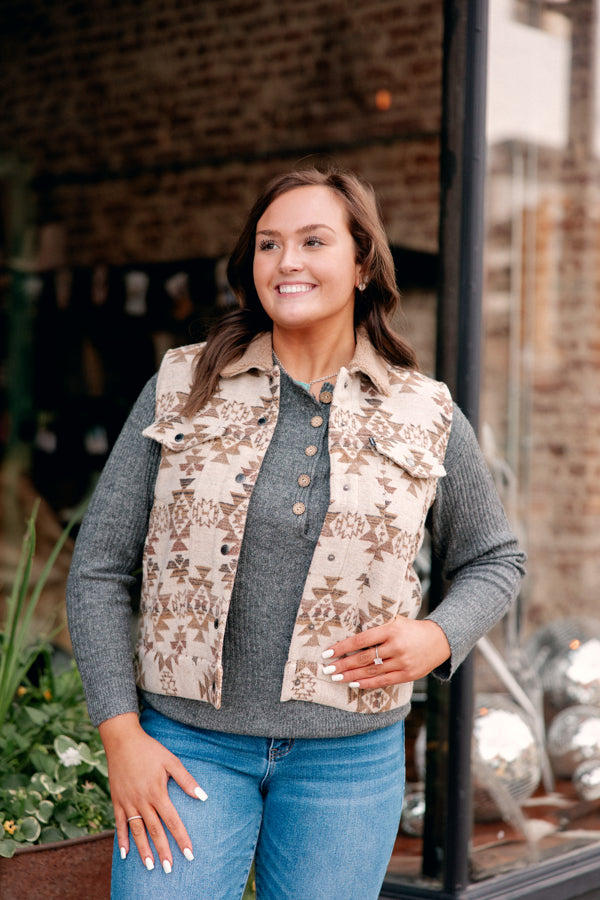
<point>294,288</point>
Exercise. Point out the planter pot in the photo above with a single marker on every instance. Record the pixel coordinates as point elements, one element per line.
<point>67,870</point>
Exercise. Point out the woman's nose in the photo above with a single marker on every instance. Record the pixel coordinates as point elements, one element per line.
<point>290,260</point>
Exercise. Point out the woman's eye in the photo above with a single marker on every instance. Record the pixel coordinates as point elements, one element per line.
<point>266,245</point>
<point>314,242</point>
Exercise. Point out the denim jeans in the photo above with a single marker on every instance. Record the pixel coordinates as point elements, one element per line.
<point>318,816</point>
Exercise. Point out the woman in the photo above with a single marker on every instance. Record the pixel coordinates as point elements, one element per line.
<point>278,479</point>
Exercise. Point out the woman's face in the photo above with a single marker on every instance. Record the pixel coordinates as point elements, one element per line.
<point>305,268</point>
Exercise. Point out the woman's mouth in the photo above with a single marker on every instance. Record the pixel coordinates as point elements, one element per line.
<point>294,288</point>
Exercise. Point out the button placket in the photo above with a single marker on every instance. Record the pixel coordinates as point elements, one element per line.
<point>304,479</point>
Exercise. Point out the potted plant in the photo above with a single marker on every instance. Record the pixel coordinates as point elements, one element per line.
<point>54,792</point>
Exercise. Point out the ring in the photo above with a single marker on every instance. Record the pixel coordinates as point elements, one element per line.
<point>378,660</point>
<point>134,817</point>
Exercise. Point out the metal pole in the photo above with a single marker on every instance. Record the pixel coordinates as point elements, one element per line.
<point>459,821</point>
<point>472,221</point>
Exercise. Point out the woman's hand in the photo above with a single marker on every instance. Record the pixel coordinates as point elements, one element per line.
<point>139,768</point>
<point>408,648</point>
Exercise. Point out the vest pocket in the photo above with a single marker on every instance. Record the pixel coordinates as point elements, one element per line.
<point>407,481</point>
<point>180,436</point>
<point>416,461</point>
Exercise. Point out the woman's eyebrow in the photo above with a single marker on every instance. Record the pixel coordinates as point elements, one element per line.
<point>271,232</point>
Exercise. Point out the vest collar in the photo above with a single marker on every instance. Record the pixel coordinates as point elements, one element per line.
<point>259,355</point>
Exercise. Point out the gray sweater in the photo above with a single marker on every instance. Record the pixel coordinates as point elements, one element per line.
<point>469,533</point>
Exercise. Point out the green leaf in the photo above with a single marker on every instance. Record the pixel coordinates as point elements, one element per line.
<point>32,802</point>
<point>67,778</point>
<point>50,835</point>
<point>37,782</point>
<point>72,831</point>
<point>37,716</point>
<point>14,781</point>
<point>65,815</point>
<point>42,761</point>
<point>100,763</point>
<point>8,847</point>
<point>62,744</point>
<point>50,786</point>
<point>30,829</point>
<point>16,657</point>
<point>44,811</point>
<point>86,754</point>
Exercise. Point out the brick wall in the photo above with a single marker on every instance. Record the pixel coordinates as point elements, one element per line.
<point>149,125</point>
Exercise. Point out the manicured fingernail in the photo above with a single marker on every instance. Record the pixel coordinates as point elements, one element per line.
<point>166,866</point>
<point>327,670</point>
<point>337,677</point>
<point>200,794</point>
<point>123,852</point>
<point>327,654</point>
<point>188,854</point>
<point>148,863</point>
<point>354,684</point>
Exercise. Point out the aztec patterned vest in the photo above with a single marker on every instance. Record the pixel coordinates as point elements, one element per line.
<point>388,432</point>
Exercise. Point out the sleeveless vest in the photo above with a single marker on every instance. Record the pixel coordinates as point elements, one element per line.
<point>388,432</point>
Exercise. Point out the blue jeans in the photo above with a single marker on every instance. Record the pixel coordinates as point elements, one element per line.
<point>318,816</point>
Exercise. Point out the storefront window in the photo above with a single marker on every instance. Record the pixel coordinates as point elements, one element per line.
<point>535,761</point>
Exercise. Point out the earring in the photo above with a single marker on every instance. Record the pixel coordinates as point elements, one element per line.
<point>362,285</point>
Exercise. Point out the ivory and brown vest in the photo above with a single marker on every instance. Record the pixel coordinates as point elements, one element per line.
<point>388,431</point>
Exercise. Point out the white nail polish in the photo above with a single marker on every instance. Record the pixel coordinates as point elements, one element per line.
<point>123,852</point>
<point>148,863</point>
<point>327,670</point>
<point>337,677</point>
<point>188,854</point>
<point>354,684</point>
<point>166,866</point>
<point>327,654</point>
<point>200,794</point>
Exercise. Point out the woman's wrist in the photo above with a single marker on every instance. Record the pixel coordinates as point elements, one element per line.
<point>119,728</point>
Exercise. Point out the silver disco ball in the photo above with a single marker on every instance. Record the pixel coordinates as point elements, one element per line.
<point>413,813</point>
<point>573,737</point>
<point>506,757</point>
<point>566,655</point>
<point>586,779</point>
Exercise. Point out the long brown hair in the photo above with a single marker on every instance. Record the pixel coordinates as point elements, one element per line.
<point>373,307</point>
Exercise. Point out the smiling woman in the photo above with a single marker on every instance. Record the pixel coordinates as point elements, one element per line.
<point>277,481</point>
<point>306,275</point>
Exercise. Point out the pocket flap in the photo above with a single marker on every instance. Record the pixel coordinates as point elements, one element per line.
<point>417,461</point>
<point>177,435</point>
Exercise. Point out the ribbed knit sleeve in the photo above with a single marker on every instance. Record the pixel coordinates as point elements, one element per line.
<point>108,552</point>
<point>471,536</point>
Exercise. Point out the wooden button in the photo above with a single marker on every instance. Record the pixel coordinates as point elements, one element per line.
<point>316,421</point>
<point>325,396</point>
<point>298,509</point>
<point>304,480</point>
<point>311,450</point>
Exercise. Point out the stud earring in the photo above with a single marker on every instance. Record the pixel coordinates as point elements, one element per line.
<point>362,285</point>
